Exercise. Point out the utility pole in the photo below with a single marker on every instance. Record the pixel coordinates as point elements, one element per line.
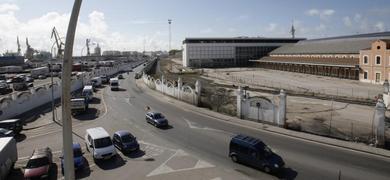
<point>66,85</point>
<point>169,24</point>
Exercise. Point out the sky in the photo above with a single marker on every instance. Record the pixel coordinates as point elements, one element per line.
<point>132,25</point>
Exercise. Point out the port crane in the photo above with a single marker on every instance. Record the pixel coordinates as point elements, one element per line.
<point>59,43</point>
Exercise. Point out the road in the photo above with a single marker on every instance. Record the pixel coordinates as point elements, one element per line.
<point>195,146</point>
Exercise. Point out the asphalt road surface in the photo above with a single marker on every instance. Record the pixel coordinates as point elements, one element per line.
<point>195,146</point>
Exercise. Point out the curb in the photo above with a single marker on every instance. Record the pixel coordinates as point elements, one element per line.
<point>289,133</point>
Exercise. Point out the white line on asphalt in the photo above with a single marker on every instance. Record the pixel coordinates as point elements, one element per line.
<point>158,170</point>
<point>193,126</point>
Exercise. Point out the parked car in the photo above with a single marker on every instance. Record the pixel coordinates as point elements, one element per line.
<point>4,87</point>
<point>38,166</point>
<point>114,84</point>
<point>105,79</point>
<point>29,79</point>
<point>16,125</point>
<point>6,133</point>
<point>156,119</point>
<point>99,143</point>
<point>120,76</point>
<point>87,92</point>
<point>251,151</point>
<point>125,141</point>
<point>8,156</point>
<point>41,77</point>
<point>78,158</point>
<point>78,105</point>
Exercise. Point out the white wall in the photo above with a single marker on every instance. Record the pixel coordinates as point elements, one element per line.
<point>20,102</point>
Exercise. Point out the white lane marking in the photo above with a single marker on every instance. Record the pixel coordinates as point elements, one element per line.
<point>128,102</point>
<point>217,178</point>
<point>193,125</point>
<point>164,168</point>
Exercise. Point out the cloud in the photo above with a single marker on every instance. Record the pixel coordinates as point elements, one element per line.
<point>8,7</point>
<point>347,21</point>
<point>271,27</point>
<point>145,21</point>
<point>380,26</point>
<point>324,14</point>
<point>38,31</point>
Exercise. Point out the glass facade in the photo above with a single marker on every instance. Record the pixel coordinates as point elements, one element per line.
<point>244,54</point>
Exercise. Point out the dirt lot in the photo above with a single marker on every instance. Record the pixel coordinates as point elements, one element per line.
<point>313,115</point>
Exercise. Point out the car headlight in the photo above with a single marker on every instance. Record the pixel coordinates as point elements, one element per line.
<point>276,165</point>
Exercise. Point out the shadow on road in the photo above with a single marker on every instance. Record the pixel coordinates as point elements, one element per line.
<point>20,137</point>
<point>121,89</point>
<point>91,114</point>
<point>287,173</point>
<point>113,163</point>
<point>136,154</point>
<point>16,174</point>
<point>166,127</point>
<point>95,100</point>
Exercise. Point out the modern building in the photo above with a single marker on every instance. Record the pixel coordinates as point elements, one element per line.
<point>229,52</point>
<point>334,56</point>
<point>375,62</point>
<point>11,61</point>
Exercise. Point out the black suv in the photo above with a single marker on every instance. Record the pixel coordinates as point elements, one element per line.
<point>251,151</point>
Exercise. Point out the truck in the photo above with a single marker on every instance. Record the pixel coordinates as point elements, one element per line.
<point>114,84</point>
<point>41,71</point>
<point>8,156</point>
<point>87,93</point>
<point>78,105</point>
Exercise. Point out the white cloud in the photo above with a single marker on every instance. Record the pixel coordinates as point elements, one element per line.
<point>271,27</point>
<point>347,21</point>
<point>8,7</point>
<point>324,14</point>
<point>380,26</point>
<point>38,30</point>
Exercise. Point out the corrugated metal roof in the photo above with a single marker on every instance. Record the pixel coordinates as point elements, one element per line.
<point>342,62</point>
<point>337,45</point>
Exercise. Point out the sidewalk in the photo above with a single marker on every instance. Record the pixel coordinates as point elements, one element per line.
<point>272,129</point>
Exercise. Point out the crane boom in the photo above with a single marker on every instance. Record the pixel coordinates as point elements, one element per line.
<point>58,41</point>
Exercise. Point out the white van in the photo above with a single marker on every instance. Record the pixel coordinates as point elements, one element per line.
<point>114,83</point>
<point>87,92</point>
<point>98,142</point>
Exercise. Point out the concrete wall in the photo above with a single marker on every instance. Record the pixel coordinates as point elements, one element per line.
<point>184,93</point>
<point>20,102</point>
<point>262,109</point>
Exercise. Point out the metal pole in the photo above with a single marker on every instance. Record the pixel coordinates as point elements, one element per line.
<point>52,83</point>
<point>66,85</point>
<point>331,117</point>
<point>169,22</point>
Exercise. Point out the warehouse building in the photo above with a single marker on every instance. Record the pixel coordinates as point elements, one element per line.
<point>228,52</point>
<point>335,56</point>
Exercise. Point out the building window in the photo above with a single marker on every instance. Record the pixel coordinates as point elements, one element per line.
<point>365,75</point>
<point>378,47</point>
<point>377,77</point>
<point>378,60</point>
<point>365,59</point>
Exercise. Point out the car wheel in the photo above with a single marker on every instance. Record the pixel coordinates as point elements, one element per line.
<point>267,169</point>
<point>155,124</point>
<point>234,158</point>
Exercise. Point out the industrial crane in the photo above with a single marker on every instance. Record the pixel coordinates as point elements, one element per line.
<point>60,44</point>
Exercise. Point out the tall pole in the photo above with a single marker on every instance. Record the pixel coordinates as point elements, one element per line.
<point>66,85</point>
<point>52,83</point>
<point>169,24</point>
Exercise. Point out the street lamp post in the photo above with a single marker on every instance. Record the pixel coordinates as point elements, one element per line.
<point>66,85</point>
<point>52,83</point>
<point>169,23</point>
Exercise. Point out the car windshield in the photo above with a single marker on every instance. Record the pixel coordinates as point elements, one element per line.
<point>267,151</point>
<point>158,116</point>
<point>102,142</point>
<point>2,130</point>
<point>34,163</point>
<point>114,84</point>
<point>127,138</point>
